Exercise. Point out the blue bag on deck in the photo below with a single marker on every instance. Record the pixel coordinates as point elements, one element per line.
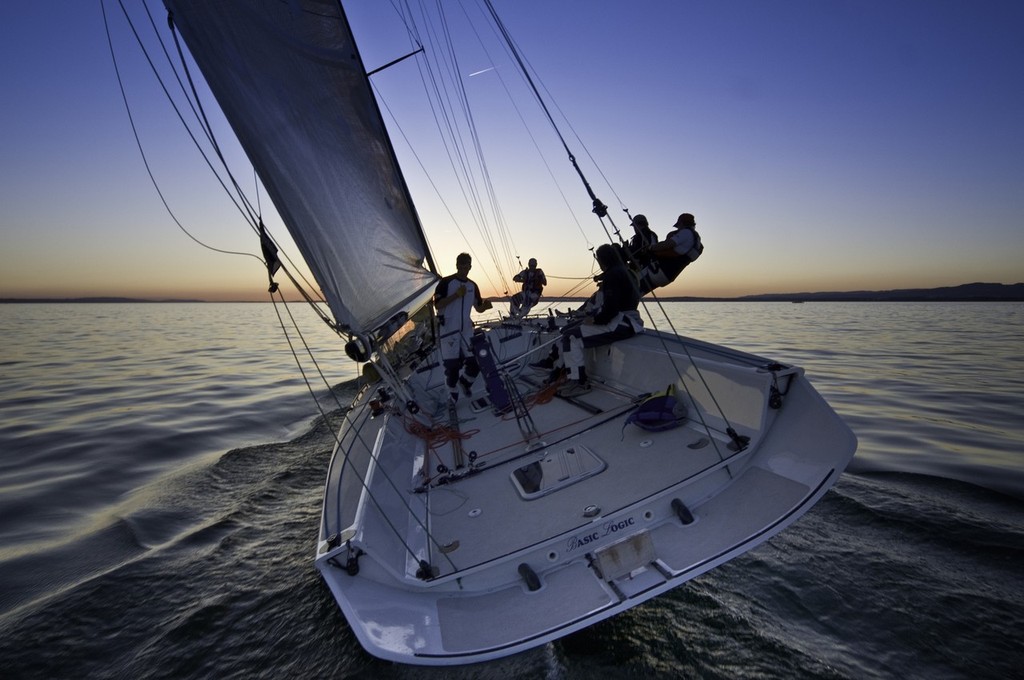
<point>659,412</point>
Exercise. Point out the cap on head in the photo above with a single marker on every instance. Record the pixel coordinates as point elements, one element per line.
<point>686,220</point>
<point>639,220</point>
<point>532,263</point>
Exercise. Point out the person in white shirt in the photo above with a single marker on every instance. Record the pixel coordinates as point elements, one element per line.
<point>455,297</point>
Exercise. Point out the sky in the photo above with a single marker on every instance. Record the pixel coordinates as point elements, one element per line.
<point>823,145</point>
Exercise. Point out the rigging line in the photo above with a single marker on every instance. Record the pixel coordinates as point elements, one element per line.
<point>254,216</point>
<point>256,188</point>
<point>451,140</point>
<point>456,153</point>
<point>352,468</point>
<point>579,139</point>
<point>428,175</point>
<point>527,129</point>
<point>504,232</point>
<point>570,278</point>
<point>138,143</point>
<point>599,209</point>
<point>444,102</point>
<point>319,299</point>
<point>315,304</point>
<point>171,100</point>
<point>198,114</point>
<point>177,76</point>
<point>473,142</point>
<point>205,121</point>
<point>188,130</point>
<point>309,351</point>
<point>576,136</point>
<point>177,110</point>
<point>536,144</point>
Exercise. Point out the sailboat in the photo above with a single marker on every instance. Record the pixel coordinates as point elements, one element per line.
<point>462,531</point>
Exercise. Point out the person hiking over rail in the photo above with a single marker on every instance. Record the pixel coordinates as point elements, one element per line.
<point>672,255</point>
<point>533,281</point>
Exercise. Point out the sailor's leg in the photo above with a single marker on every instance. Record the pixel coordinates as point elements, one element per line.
<point>452,368</point>
<point>472,370</point>
<point>572,354</point>
<point>515,305</point>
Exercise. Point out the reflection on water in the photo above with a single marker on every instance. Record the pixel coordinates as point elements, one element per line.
<point>100,399</point>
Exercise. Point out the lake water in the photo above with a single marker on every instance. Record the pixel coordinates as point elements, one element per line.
<point>161,469</point>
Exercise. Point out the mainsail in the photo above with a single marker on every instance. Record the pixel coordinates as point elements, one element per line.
<point>292,85</point>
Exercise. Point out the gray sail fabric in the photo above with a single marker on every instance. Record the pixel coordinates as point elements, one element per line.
<point>288,77</point>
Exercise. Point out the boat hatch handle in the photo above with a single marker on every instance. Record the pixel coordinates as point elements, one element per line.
<point>529,576</point>
<point>682,512</point>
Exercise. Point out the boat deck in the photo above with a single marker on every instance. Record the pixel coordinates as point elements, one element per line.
<point>570,477</point>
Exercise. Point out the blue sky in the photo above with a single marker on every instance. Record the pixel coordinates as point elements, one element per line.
<point>822,145</point>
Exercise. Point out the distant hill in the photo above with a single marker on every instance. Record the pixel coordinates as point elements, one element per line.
<point>968,292</point>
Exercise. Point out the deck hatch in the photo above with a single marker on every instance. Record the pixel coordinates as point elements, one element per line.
<point>556,469</point>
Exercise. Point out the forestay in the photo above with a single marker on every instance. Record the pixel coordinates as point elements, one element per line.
<point>293,87</point>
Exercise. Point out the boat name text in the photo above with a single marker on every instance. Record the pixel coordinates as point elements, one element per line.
<point>606,529</point>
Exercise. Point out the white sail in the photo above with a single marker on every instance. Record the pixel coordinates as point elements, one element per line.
<point>290,81</point>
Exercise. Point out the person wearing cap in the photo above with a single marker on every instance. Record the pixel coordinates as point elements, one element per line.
<point>455,297</point>
<point>533,281</point>
<point>643,238</point>
<point>671,256</point>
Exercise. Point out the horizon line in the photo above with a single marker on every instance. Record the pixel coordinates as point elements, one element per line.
<point>996,292</point>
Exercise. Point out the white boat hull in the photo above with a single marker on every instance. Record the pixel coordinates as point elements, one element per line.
<point>606,528</point>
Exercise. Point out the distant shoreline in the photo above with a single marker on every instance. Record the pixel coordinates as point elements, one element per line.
<point>94,300</point>
<point>969,292</point>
